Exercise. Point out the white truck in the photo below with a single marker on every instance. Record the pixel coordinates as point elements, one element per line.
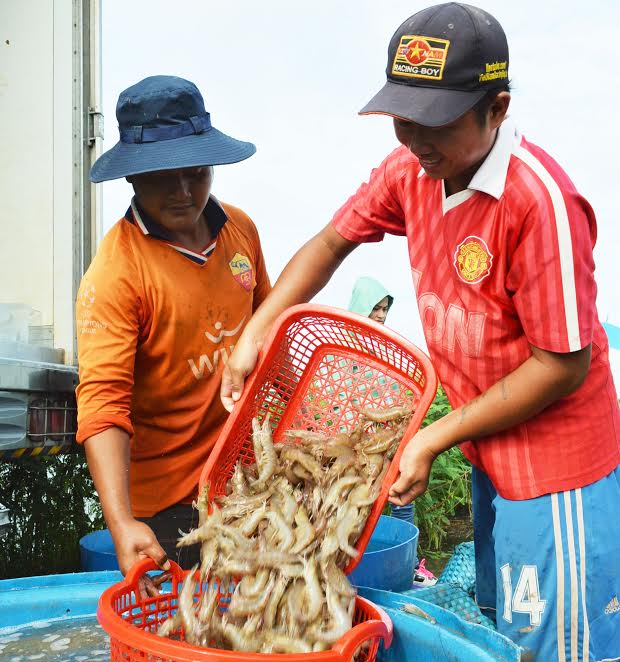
<point>50,134</point>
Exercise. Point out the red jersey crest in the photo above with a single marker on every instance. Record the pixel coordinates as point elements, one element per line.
<point>473,260</point>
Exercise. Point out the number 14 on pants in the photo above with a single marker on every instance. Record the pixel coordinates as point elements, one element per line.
<point>526,597</point>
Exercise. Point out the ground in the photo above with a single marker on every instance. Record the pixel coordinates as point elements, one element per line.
<point>461,530</point>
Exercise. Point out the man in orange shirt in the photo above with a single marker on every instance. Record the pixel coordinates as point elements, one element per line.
<point>158,312</point>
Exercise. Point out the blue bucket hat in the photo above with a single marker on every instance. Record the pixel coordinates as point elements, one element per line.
<point>163,125</point>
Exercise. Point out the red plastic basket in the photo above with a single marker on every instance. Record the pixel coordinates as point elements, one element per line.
<point>317,368</point>
<point>132,623</point>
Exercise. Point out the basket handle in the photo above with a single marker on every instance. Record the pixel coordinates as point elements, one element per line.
<point>139,568</point>
<point>348,645</point>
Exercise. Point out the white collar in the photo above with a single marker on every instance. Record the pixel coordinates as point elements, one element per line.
<point>491,175</point>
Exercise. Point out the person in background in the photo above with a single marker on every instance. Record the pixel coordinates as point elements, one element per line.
<point>370,299</point>
<point>165,299</point>
<point>500,244</point>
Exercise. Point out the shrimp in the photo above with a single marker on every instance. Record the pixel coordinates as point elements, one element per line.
<point>314,594</point>
<point>202,504</point>
<point>414,609</point>
<point>333,575</point>
<point>295,601</point>
<point>360,496</point>
<point>341,621</point>
<point>242,606</point>
<point>204,532</point>
<point>307,437</point>
<point>296,455</point>
<point>284,531</point>
<point>380,441</point>
<point>301,473</point>
<point>304,533</point>
<point>238,481</point>
<point>251,587</point>
<point>170,625</point>
<point>337,491</point>
<point>235,536</point>
<point>288,502</point>
<point>292,570</point>
<point>330,545</point>
<point>208,553</point>
<point>273,602</point>
<point>243,505</point>
<point>237,567</point>
<point>342,464</point>
<point>386,415</point>
<point>249,526</point>
<point>239,640</point>
<point>345,528</point>
<point>373,464</point>
<point>206,609</point>
<point>186,607</point>
<point>264,452</point>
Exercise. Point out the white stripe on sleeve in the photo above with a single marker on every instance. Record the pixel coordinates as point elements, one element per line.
<point>564,243</point>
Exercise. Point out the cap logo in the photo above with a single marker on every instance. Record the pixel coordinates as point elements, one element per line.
<point>473,260</point>
<point>420,57</point>
<point>493,71</point>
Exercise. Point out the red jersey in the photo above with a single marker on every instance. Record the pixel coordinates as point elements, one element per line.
<point>505,264</point>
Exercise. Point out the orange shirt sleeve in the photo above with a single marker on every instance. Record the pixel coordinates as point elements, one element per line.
<point>263,284</point>
<point>108,315</point>
<point>261,277</point>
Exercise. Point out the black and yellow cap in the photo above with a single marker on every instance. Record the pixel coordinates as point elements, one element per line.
<point>441,62</point>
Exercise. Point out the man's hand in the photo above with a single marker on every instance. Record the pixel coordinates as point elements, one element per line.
<point>135,541</point>
<point>415,470</point>
<point>240,364</point>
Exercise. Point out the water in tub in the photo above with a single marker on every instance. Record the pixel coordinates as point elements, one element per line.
<point>69,640</point>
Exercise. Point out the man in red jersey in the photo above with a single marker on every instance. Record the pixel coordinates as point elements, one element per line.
<point>500,245</point>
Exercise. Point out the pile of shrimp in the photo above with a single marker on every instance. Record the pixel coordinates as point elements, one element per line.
<point>281,536</point>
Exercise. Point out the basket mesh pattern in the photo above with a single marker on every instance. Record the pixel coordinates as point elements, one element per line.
<point>320,372</point>
<point>147,615</point>
<point>455,588</point>
<point>461,569</point>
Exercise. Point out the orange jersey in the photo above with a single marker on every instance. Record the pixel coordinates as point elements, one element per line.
<point>154,331</point>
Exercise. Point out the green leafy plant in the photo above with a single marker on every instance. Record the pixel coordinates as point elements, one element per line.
<point>52,503</point>
<point>449,489</point>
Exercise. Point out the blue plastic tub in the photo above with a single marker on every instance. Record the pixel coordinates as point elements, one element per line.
<point>28,599</point>
<point>65,598</point>
<point>436,634</point>
<point>97,552</point>
<point>389,560</point>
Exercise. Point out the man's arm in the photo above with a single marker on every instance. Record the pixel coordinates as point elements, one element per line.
<point>108,461</point>
<point>537,383</point>
<point>305,275</point>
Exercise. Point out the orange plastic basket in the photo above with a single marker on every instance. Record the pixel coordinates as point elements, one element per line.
<point>317,368</point>
<point>132,623</point>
